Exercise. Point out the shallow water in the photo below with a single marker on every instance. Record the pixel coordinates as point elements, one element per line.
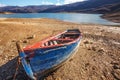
<point>70,17</point>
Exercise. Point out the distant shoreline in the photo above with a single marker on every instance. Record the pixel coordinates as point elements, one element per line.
<point>114,17</point>
<point>6,13</point>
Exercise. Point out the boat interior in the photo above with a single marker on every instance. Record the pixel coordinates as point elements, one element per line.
<point>63,38</point>
<point>66,37</point>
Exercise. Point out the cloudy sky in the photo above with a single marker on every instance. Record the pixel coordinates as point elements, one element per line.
<point>35,2</point>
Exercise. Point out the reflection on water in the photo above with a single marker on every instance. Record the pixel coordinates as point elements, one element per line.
<point>71,17</point>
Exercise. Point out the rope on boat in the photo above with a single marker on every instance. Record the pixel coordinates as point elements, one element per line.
<point>19,49</point>
<point>17,68</point>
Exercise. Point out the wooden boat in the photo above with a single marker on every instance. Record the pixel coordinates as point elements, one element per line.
<point>40,58</point>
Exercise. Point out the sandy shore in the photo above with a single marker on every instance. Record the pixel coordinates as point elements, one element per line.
<point>98,57</point>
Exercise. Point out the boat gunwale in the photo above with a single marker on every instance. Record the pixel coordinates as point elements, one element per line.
<point>51,38</point>
<point>58,45</point>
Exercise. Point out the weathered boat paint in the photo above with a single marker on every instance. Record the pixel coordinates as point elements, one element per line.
<point>26,66</point>
<point>47,57</point>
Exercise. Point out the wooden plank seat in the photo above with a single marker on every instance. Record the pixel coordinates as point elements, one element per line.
<point>50,43</point>
<point>54,41</point>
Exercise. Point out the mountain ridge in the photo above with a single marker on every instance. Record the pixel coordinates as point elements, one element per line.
<point>89,6</point>
<point>109,8</point>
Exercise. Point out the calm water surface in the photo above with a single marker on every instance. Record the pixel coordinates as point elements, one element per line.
<point>70,17</point>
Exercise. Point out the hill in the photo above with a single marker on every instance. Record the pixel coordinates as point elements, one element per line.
<point>111,8</point>
<point>25,9</point>
<point>90,6</point>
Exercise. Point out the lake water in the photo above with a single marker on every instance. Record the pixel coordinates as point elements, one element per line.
<point>70,17</point>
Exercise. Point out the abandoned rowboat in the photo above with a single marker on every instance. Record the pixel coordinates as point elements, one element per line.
<point>44,56</point>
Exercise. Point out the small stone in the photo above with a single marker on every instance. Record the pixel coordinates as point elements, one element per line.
<point>10,57</point>
<point>20,41</point>
<point>102,30</point>
<point>25,41</point>
<point>116,67</point>
<point>116,74</point>
<point>94,59</point>
<point>87,64</point>
<point>5,57</point>
<point>91,42</point>
<point>93,48</point>
<point>103,77</point>
<point>14,40</point>
<point>71,60</point>
<point>89,48</point>
<point>86,42</point>
<point>118,58</point>
<point>9,77</point>
<point>3,70</point>
<point>31,37</point>
<point>115,62</point>
<point>101,50</point>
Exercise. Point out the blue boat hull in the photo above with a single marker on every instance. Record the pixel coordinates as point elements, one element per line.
<point>39,59</point>
<point>48,58</point>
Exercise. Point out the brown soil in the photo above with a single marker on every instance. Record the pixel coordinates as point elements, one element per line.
<point>98,57</point>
